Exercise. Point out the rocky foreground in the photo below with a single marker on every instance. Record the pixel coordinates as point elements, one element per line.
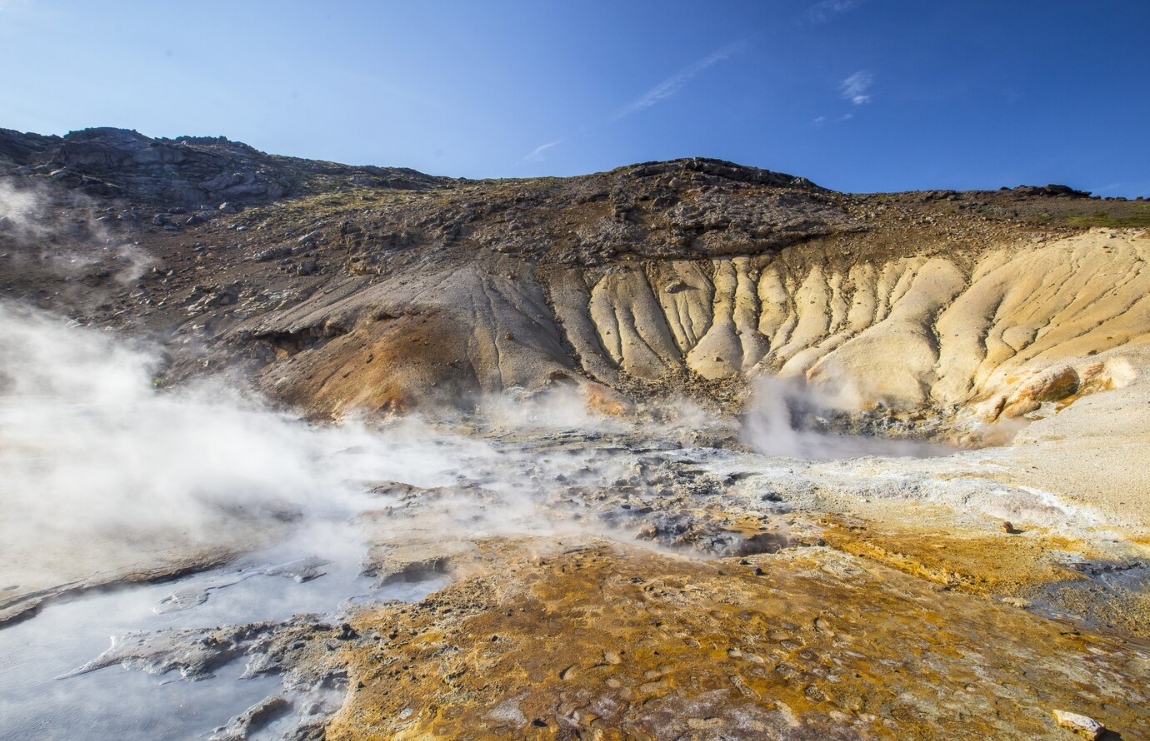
<point>684,586</point>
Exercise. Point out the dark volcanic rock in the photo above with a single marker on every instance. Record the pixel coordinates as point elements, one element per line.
<point>1050,190</point>
<point>191,171</point>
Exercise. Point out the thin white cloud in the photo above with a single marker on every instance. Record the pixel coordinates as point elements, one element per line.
<point>819,121</point>
<point>536,154</point>
<point>671,86</point>
<point>855,87</point>
<point>821,12</point>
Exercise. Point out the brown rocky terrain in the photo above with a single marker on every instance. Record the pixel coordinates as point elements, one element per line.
<point>688,274</point>
<point>709,595</point>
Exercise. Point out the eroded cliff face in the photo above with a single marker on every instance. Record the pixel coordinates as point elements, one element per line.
<point>1020,326</point>
<point>991,337</point>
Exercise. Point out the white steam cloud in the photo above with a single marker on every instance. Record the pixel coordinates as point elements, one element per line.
<point>97,463</point>
<point>43,226</point>
<point>104,472</point>
<point>772,425</point>
<point>19,209</point>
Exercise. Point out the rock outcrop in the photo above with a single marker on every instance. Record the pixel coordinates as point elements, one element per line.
<point>186,171</point>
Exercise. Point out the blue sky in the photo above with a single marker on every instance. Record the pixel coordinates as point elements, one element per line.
<point>857,95</point>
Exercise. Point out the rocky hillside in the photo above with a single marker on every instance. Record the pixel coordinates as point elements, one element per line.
<point>347,289</point>
<point>188,171</point>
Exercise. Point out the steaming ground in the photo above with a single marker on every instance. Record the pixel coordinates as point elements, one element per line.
<point>107,477</point>
<point>773,426</point>
<point>111,480</point>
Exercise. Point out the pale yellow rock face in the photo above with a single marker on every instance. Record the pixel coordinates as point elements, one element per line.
<point>908,332</point>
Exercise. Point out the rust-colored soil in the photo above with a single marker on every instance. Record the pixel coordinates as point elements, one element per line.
<point>597,641</point>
